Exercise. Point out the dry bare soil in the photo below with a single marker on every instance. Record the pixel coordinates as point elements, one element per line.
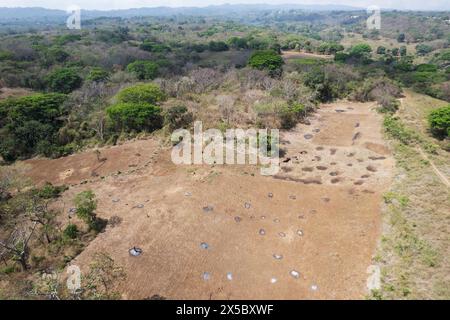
<point>225,232</point>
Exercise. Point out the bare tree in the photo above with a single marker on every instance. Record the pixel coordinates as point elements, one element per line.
<point>226,106</point>
<point>17,245</point>
<point>39,213</point>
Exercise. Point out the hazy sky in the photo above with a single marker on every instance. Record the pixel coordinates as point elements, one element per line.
<point>122,4</point>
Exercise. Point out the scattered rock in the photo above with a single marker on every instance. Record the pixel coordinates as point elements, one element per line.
<point>247,205</point>
<point>377,158</point>
<point>206,276</point>
<point>262,232</point>
<point>270,195</point>
<point>135,252</point>
<point>300,233</point>
<point>308,136</point>
<point>277,256</point>
<point>371,169</point>
<point>208,209</point>
<point>321,168</point>
<point>295,274</point>
<point>204,245</point>
<point>237,219</point>
<point>229,276</point>
<point>356,136</point>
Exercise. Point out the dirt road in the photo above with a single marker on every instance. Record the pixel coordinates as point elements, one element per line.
<point>216,232</point>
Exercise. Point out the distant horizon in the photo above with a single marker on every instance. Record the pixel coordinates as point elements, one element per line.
<point>104,5</point>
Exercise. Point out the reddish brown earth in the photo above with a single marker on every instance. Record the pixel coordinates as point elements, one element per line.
<point>260,228</point>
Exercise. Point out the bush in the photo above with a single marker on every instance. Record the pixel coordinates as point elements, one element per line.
<point>178,117</point>
<point>71,231</point>
<point>55,54</point>
<point>49,191</point>
<point>144,70</point>
<point>27,121</point>
<point>154,47</point>
<point>266,60</point>
<point>98,75</point>
<point>398,131</point>
<point>141,93</point>
<point>218,46</point>
<point>360,50</point>
<point>86,204</point>
<point>423,49</point>
<point>64,80</point>
<point>439,121</point>
<point>135,116</point>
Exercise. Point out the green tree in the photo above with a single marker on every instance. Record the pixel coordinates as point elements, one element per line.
<point>266,60</point>
<point>423,49</point>
<point>381,50</point>
<point>64,80</point>
<point>218,46</point>
<point>86,204</point>
<point>142,93</point>
<point>98,75</point>
<point>135,116</point>
<point>144,70</point>
<point>361,50</point>
<point>439,121</point>
<point>403,51</point>
<point>28,121</point>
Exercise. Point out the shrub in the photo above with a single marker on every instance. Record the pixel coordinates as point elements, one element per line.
<point>70,232</point>
<point>135,116</point>
<point>154,47</point>
<point>55,54</point>
<point>381,50</point>
<point>439,121</point>
<point>398,131</point>
<point>141,93</point>
<point>86,204</point>
<point>98,75</point>
<point>178,117</point>
<point>64,80</point>
<point>360,50</point>
<point>267,59</point>
<point>144,70</point>
<point>218,46</point>
<point>423,49</point>
<point>27,121</point>
<point>49,191</point>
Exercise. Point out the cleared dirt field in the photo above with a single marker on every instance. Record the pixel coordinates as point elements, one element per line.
<point>216,232</point>
<point>302,55</point>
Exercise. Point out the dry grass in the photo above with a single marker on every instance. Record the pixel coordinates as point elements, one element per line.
<point>414,248</point>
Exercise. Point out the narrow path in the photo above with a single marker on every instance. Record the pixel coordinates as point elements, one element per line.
<point>441,176</point>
